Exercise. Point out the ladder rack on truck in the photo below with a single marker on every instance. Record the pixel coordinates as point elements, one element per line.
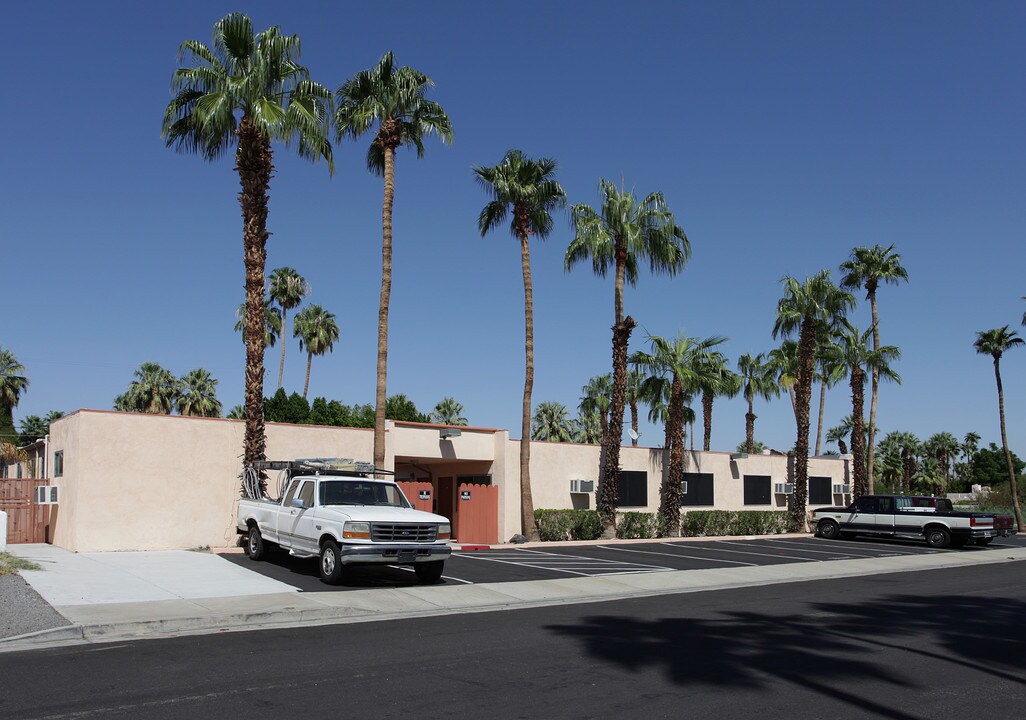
<point>345,467</point>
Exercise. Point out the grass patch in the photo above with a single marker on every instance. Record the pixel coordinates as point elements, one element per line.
<point>10,565</point>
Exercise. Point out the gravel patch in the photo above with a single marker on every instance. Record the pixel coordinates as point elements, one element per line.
<point>23,611</point>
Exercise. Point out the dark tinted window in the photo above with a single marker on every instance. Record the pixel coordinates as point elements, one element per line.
<point>865,505</point>
<point>757,489</point>
<point>820,492</point>
<point>632,488</point>
<point>885,505</point>
<point>700,490</point>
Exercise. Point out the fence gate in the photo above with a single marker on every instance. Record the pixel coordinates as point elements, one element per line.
<point>26,521</point>
<point>477,513</point>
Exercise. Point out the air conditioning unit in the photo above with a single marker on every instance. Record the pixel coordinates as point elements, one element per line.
<point>842,489</point>
<point>46,495</point>
<point>582,486</point>
<point>784,488</point>
<point>684,487</point>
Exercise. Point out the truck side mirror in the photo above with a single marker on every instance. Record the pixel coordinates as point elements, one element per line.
<point>298,503</point>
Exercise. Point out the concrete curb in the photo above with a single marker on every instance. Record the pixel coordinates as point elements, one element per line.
<point>312,609</point>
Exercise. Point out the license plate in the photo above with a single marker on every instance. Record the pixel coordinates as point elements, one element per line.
<point>407,555</point>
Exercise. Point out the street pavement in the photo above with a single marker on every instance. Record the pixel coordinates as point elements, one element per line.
<point>116,596</point>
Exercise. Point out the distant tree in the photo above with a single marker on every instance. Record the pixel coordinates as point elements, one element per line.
<point>272,323</point>
<point>154,390</point>
<point>587,430</point>
<point>633,397</point>
<point>755,447</point>
<point>596,398</point>
<point>13,383</point>
<point>944,447</point>
<point>995,343</point>
<point>237,412</point>
<point>830,370</point>
<point>448,412</point>
<point>400,407</point>
<point>288,288</point>
<point>784,363</point>
<point>390,99</point>
<point>990,467</point>
<point>838,433</point>
<point>330,413</point>
<point>715,380</point>
<point>198,395</point>
<point>757,380</point>
<point>33,428</point>
<point>317,332</point>
<point>552,423</point>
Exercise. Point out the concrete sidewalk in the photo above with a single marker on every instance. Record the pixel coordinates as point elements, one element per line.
<point>118,596</point>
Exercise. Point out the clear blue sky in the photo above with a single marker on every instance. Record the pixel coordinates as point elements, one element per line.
<point>782,135</point>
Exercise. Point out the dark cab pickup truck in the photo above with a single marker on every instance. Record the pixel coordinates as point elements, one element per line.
<point>926,518</point>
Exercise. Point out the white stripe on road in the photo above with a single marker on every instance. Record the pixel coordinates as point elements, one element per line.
<point>872,552</point>
<point>558,562</point>
<point>691,557</point>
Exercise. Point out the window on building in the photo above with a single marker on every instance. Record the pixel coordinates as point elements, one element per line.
<point>58,464</point>
<point>632,489</point>
<point>820,491</point>
<point>474,479</point>
<point>757,489</point>
<point>700,490</point>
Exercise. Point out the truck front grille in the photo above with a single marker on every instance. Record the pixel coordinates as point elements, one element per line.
<point>403,532</point>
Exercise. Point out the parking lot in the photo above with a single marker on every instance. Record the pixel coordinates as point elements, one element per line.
<point>513,564</point>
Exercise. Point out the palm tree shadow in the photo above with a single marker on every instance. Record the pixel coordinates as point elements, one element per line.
<point>825,650</point>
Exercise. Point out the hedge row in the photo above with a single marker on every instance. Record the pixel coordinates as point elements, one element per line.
<point>587,524</point>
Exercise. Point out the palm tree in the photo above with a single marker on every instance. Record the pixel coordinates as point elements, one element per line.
<point>857,357</point>
<point>867,268</point>
<point>317,332</point>
<point>198,396</point>
<point>552,423</point>
<point>945,448</point>
<point>155,391</point>
<point>632,397</point>
<point>994,343</point>
<point>586,430</point>
<point>238,412</point>
<point>715,379</point>
<point>622,233</point>
<point>902,448</point>
<point>970,446</point>
<point>806,308</point>
<point>758,379</point>
<point>682,360</point>
<point>244,93</point>
<point>13,383</point>
<point>830,370</point>
<point>288,288</point>
<point>448,412</point>
<point>783,362</point>
<point>525,189</point>
<point>597,399</point>
<point>756,447</point>
<point>391,99</point>
<point>272,323</point>
<point>838,433</point>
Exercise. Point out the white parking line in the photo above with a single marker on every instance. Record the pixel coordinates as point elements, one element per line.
<point>558,562</point>
<point>788,557</point>
<point>691,557</point>
<point>895,549</point>
<point>858,551</point>
<point>444,577</point>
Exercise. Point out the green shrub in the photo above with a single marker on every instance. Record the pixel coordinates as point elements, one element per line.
<point>711,523</point>
<point>636,525</point>
<point>554,525</point>
<point>587,525</point>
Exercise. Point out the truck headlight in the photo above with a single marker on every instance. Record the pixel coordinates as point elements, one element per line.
<point>357,530</point>
<point>444,531</point>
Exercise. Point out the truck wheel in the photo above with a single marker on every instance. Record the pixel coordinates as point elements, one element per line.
<point>255,544</point>
<point>938,537</point>
<point>331,566</point>
<point>827,529</point>
<point>429,572</point>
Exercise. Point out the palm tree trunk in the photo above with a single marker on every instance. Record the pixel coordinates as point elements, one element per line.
<point>614,431</point>
<point>750,428</point>
<point>707,408</point>
<point>309,361</point>
<point>634,422</point>
<point>253,161</point>
<point>875,381</point>
<point>1012,484</point>
<point>803,395</point>
<point>527,523</point>
<point>386,293</point>
<point>858,433</point>
<point>669,505</point>
<point>281,366</point>
<point>822,405</point>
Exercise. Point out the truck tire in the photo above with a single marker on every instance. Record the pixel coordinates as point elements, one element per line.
<point>938,537</point>
<point>828,529</point>
<point>330,565</point>
<point>428,573</point>
<point>255,544</point>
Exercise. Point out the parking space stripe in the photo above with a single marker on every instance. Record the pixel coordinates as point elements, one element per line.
<point>690,557</point>
<point>802,548</point>
<point>896,550</point>
<point>839,556</point>
<point>559,562</point>
<point>872,552</point>
<point>750,552</point>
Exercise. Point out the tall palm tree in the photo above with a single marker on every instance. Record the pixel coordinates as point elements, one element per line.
<point>758,379</point>
<point>198,395</point>
<point>806,308</point>
<point>288,288</point>
<point>632,397</point>
<point>13,383</point>
<point>784,364</point>
<point>552,423</point>
<point>389,101</point>
<point>867,268</point>
<point>682,360</point>
<point>154,390</point>
<point>596,399</point>
<point>945,448</point>
<point>715,380</point>
<point>317,332</point>
<point>448,412</point>
<point>856,356</point>
<point>622,233</point>
<point>243,93</point>
<point>272,323</point>
<point>527,190</point>
<point>586,430</point>
<point>995,343</point>
<point>838,433</point>
<point>830,370</point>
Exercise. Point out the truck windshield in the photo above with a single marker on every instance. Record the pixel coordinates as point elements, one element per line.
<point>361,492</point>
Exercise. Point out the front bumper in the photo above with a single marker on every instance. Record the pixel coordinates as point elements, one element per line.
<point>393,554</point>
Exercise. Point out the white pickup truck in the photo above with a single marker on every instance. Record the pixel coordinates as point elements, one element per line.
<point>337,512</point>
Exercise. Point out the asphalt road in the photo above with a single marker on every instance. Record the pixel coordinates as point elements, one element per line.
<point>512,564</point>
<point>923,645</point>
